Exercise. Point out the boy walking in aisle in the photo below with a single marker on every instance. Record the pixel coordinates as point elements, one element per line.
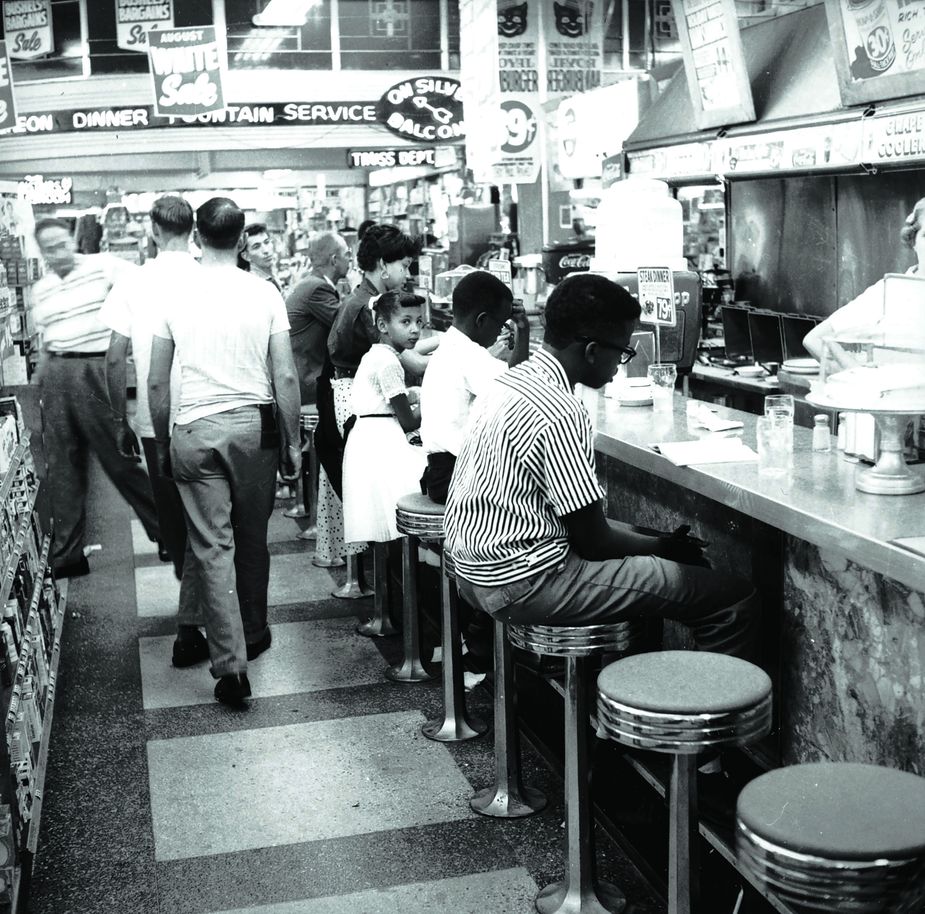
<point>131,310</point>
<point>237,423</point>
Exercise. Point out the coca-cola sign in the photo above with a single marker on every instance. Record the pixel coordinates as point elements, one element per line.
<point>575,262</point>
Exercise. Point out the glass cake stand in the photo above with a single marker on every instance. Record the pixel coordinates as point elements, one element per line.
<point>890,475</point>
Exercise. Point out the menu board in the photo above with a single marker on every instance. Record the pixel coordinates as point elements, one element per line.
<point>879,48</point>
<point>717,78</point>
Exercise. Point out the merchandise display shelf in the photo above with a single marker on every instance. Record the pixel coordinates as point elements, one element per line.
<point>15,462</point>
<point>6,581</point>
<point>715,839</point>
<point>33,833</point>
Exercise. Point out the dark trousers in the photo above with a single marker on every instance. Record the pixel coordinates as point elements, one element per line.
<point>170,518</point>
<point>435,483</point>
<point>77,419</point>
<point>227,482</point>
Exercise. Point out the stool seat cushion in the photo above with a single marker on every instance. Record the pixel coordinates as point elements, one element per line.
<point>684,682</point>
<point>415,503</point>
<point>839,810</point>
<point>308,409</point>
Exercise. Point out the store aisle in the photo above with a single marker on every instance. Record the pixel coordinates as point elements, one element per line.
<point>322,797</point>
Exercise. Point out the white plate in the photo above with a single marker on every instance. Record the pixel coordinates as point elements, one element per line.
<point>645,401</point>
<point>751,371</point>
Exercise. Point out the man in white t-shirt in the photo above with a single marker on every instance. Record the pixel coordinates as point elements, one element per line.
<point>130,311</point>
<point>460,369</point>
<point>237,423</point>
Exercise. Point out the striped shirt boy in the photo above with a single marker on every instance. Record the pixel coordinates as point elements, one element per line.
<point>66,311</point>
<point>527,460</point>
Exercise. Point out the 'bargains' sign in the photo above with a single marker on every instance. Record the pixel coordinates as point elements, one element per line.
<point>27,28</point>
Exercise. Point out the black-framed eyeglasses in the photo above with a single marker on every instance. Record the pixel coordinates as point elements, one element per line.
<point>626,354</point>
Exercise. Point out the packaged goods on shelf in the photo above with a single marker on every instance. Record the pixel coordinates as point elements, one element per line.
<point>7,854</point>
<point>9,439</point>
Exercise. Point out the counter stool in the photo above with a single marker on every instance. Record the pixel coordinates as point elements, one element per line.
<point>836,836</point>
<point>683,703</point>
<point>352,589</point>
<point>456,725</point>
<point>417,518</point>
<point>579,892</point>
<point>508,797</point>
<point>379,625</point>
<point>308,422</point>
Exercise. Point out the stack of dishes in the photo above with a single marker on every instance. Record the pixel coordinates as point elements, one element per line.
<point>801,366</point>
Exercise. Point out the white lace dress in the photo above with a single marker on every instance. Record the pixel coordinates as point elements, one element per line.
<point>380,466</point>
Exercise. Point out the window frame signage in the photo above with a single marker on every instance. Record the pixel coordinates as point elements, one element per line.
<point>41,191</point>
<point>711,46</point>
<point>891,34</point>
<point>27,28</point>
<point>186,69</point>
<point>7,95</point>
<point>424,109</point>
<point>404,157</point>
<point>134,18</point>
<point>144,117</point>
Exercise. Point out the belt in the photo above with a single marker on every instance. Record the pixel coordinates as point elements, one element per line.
<point>341,373</point>
<point>77,355</point>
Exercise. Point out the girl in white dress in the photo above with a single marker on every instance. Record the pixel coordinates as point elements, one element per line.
<point>380,466</point>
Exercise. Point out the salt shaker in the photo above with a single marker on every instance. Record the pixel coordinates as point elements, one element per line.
<point>821,439</point>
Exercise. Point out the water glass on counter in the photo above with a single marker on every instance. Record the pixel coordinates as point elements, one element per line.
<point>775,444</point>
<point>662,377</point>
<point>780,405</point>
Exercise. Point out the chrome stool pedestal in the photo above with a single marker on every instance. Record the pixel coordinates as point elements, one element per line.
<point>417,518</point>
<point>507,798</point>
<point>836,837</point>
<point>308,422</point>
<point>380,624</point>
<point>683,703</point>
<point>352,588</point>
<point>579,892</point>
<point>455,725</point>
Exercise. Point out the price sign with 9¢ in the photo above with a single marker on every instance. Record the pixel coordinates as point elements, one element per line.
<point>520,122</point>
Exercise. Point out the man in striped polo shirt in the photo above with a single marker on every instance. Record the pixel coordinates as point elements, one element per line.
<point>525,515</point>
<point>75,404</point>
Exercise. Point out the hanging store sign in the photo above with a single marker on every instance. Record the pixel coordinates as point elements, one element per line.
<point>27,28</point>
<point>893,139</point>
<point>521,151</point>
<point>141,117</point>
<point>879,48</point>
<point>714,62</point>
<point>427,109</point>
<point>39,190</point>
<point>478,54</point>
<point>390,158</point>
<point>7,99</point>
<point>574,36</point>
<point>186,69</point>
<point>135,17</point>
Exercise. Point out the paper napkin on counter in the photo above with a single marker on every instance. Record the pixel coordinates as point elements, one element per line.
<point>706,450</point>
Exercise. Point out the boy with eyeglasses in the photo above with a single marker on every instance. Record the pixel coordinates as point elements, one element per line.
<point>525,518</point>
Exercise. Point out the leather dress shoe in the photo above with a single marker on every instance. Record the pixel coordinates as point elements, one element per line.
<point>190,651</point>
<point>258,647</point>
<point>231,690</point>
<point>162,552</point>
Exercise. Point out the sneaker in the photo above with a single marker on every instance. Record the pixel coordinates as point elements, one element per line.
<point>73,569</point>
<point>231,690</point>
<point>258,647</point>
<point>190,651</point>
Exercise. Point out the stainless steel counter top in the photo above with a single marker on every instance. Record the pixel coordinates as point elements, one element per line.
<point>817,502</point>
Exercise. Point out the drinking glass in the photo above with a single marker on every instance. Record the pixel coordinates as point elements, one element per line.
<point>662,377</point>
<point>775,444</point>
<point>779,405</point>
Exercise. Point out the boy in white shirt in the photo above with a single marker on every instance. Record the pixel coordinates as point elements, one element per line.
<point>460,369</point>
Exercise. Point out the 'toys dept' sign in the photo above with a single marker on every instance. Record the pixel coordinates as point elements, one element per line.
<point>427,109</point>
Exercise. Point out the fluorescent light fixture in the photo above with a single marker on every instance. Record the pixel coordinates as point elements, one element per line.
<point>285,12</point>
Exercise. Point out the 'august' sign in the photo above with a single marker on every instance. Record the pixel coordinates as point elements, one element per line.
<point>186,70</point>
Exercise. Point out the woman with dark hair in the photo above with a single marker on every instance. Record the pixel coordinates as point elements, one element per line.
<point>863,310</point>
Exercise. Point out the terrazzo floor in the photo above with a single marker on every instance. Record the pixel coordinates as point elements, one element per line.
<point>321,798</point>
